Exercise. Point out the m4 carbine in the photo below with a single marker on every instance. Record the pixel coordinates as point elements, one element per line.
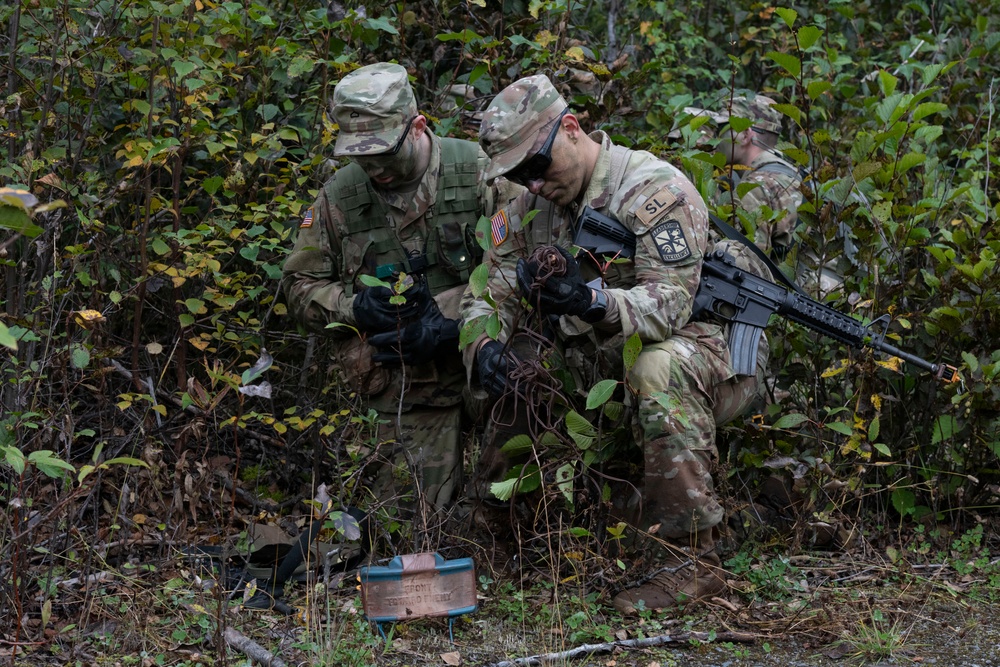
<point>747,302</point>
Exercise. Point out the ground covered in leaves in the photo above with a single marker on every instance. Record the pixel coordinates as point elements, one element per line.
<point>144,596</point>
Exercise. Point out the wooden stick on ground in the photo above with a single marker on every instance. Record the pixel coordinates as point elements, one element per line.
<point>252,649</point>
<point>589,649</point>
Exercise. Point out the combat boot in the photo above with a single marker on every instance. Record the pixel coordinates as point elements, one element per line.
<point>685,575</point>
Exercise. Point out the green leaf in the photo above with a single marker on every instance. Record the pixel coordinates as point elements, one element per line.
<point>887,107</point>
<point>14,458</point>
<point>564,480</point>
<point>790,110</point>
<point>186,320</point>
<point>125,460</point>
<point>904,501</point>
<point>817,88</point>
<point>503,490</point>
<point>159,246</point>
<point>212,183</point>
<point>372,281</point>
<point>927,109</point>
<point>465,36</point>
<point>787,15</point>
<point>6,339</point>
<point>839,427</point>
<point>250,252</point>
<point>382,23</point>
<point>79,357</point>
<point>738,124</point>
<point>909,161</point>
<point>519,444</point>
<point>17,221</point>
<point>787,62</point>
<point>472,330</point>
<point>48,463</point>
<point>808,35</point>
<point>883,450</point>
<point>478,279</point>
<point>631,350</point>
<point>183,67</point>
<point>743,188</point>
<point>866,169</point>
<point>873,430</point>
<point>267,111</point>
<point>493,325</point>
<point>793,420</point>
<point>887,82</point>
<point>580,430</point>
<point>600,393</point>
<point>195,306</point>
<point>300,65</point>
<point>944,429</point>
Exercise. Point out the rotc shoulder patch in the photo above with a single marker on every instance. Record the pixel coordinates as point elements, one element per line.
<point>500,227</point>
<point>670,242</point>
<point>307,219</point>
<point>656,205</point>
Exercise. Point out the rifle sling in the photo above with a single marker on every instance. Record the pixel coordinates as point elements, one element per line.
<point>733,234</point>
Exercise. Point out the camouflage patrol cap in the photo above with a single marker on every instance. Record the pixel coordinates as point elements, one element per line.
<point>758,108</point>
<point>514,119</point>
<point>372,105</point>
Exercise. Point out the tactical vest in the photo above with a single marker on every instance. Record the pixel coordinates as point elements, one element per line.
<point>450,252</point>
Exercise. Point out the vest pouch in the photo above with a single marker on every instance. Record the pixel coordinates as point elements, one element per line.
<point>353,358</point>
<point>355,248</point>
<point>453,250</point>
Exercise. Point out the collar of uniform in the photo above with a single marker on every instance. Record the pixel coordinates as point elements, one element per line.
<point>765,157</point>
<point>598,193</point>
<point>413,205</point>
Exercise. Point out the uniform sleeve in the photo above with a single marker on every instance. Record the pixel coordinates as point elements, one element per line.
<point>501,285</point>
<point>670,220</point>
<point>779,193</point>
<point>311,273</point>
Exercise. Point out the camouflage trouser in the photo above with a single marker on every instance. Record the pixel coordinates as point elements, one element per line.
<point>432,440</point>
<point>693,369</point>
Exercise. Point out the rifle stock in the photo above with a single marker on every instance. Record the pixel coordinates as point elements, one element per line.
<point>748,301</point>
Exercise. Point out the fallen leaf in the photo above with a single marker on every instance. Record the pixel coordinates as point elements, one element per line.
<point>622,634</point>
<point>454,658</point>
<point>154,348</point>
<point>88,319</point>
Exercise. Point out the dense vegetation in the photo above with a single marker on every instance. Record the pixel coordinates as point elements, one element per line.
<point>158,155</point>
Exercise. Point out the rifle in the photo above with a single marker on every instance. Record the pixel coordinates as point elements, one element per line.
<point>747,302</point>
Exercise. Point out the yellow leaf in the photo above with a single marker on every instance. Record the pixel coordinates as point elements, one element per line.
<point>644,27</point>
<point>544,38</point>
<point>198,343</point>
<point>877,402</point>
<point>835,369</point>
<point>88,319</point>
<point>139,519</point>
<point>892,363</point>
<point>576,53</point>
<point>160,409</point>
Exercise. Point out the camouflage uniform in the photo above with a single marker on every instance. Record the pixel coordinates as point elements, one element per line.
<point>651,295</point>
<point>779,182</point>
<point>355,228</point>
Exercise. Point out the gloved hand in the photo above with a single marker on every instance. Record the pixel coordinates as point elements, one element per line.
<point>374,313</point>
<point>567,294</point>
<point>417,342</point>
<point>494,365</point>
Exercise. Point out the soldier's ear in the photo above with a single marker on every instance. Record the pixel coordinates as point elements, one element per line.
<point>419,125</point>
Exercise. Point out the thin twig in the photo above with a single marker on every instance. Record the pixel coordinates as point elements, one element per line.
<point>607,647</point>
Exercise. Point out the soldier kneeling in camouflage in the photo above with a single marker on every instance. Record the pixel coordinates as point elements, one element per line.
<point>408,202</point>
<point>533,139</point>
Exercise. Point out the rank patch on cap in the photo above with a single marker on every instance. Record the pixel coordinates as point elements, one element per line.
<point>307,219</point>
<point>500,226</point>
<point>670,242</point>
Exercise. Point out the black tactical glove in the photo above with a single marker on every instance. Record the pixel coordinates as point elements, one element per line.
<point>417,342</point>
<point>374,313</point>
<point>567,294</point>
<point>494,366</point>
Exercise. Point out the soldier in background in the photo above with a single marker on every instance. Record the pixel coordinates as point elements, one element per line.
<point>753,159</point>
<point>407,203</point>
<point>534,140</point>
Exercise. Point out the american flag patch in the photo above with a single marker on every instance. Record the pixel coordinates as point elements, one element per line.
<point>499,225</point>
<point>307,219</point>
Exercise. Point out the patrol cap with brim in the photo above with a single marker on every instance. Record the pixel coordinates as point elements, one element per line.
<point>760,110</point>
<point>512,122</point>
<point>372,105</point>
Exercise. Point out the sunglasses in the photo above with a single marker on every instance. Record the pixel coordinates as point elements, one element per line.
<point>389,154</point>
<point>534,168</point>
